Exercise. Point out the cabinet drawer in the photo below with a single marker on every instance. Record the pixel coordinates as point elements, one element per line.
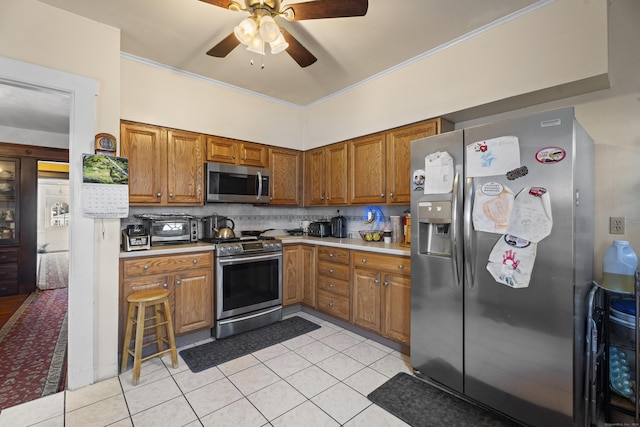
<point>335,305</point>
<point>8,287</point>
<point>166,264</point>
<point>336,286</point>
<point>333,254</point>
<point>331,269</point>
<point>9,256</point>
<point>390,263</point>
<point>8,272</point>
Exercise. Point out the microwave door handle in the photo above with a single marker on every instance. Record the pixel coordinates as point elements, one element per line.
<point>259,186</point>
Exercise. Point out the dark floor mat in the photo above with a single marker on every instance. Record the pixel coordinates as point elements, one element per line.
<point>422,405</point>
<point>216,352</point>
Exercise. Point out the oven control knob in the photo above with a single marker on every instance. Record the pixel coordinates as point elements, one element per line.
<point>237,249</point>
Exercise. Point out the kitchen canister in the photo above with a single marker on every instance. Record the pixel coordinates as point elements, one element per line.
<point>619,267</point>
<point>396,228</point>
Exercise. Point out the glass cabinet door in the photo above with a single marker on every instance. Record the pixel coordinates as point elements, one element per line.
<point>9,180</point>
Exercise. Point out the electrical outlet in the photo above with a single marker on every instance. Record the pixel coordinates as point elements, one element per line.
<point>616,225</point>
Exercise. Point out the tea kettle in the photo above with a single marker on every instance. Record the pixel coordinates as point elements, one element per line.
<point>225,232</point>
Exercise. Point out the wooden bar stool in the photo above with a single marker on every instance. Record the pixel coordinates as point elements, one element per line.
<point>138,303</point>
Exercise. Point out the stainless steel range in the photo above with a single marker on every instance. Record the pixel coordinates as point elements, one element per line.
<point>248,284</point>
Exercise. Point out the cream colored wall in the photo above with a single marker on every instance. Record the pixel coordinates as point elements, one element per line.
<point>162,97</point>
<point>562,42</point>
<point>43,35</point>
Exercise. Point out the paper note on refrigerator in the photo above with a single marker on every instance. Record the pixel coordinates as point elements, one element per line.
<point>438,173</point>
<point>531,214</point>
<point>495,156</point>
<point>511,261</point>
<point>492,208</point>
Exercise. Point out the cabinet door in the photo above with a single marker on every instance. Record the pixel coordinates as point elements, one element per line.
<point>366,298</point>
<point>145,146</point>
<point>367,167</point>
<point>221,150</point>
<point>291,275</point>
<point>336,174</point>
<point>399,159</point>
<point>253,155</point>
<point>185,170</point>
<point>309,272</point>
<point>194,300</point>
<point>396,307</point>
<point>315,170</point>
<point>286,176</point>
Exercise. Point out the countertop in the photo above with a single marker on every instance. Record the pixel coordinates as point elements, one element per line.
<point>357,244</point>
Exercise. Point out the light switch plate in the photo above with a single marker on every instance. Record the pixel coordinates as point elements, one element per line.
<point>616,225</point>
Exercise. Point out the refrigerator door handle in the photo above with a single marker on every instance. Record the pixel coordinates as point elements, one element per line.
<point>468,232</point>
<point>456,249</point>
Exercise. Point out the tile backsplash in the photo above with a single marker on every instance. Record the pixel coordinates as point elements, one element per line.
<point>250,217</point>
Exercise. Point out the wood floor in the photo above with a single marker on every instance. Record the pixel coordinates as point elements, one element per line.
<point>9,305</point>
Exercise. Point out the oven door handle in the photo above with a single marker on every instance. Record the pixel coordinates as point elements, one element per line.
<point>241,259</point>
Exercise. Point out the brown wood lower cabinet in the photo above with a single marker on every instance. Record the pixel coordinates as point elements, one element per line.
<point>188,278</point>
<point>381,289</point>
<point>299,275</point>
<point>334,292</point>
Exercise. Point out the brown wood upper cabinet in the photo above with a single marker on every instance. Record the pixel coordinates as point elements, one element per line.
<point>165,165</point>
<point>326,175</point>
<point>235,152</point>
<point>379,169</point>
<point>286,176</point>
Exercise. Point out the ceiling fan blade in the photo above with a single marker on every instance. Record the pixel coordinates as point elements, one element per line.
<point>225,4</point>
<point>319,9</point>
<point>223,48</point>
<point>299,53</point>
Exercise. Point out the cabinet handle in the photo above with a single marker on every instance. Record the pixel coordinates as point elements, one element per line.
<point>244,154</point>
<point>331,285</point>
<point>364,260</point>
<point>386,283</point>
<point>331,255</point>
<point>331,270</point>
<point>146,267</point>
<point>158,195</point>
<point>391,195</point>
<point>195,261</point>
<point>170,194</point>
<point>321,197</point>
<point>328,198</point>
<point>330,303</point>
<point>165,285</point>
<point>178,282</point>
<point>400,266</point>
<point>376,281</point>
<point>382,195</point>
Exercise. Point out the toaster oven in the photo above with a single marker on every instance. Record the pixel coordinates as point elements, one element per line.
<point>320,229</point>
<point>169,229</point>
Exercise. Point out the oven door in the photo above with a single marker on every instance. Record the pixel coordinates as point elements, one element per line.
<point>247,283</point>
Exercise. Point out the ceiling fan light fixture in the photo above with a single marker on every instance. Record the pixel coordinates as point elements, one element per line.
<point>278,45</point>
<point>246,31</point>
<point>256,45</point>
<point>269,30</point>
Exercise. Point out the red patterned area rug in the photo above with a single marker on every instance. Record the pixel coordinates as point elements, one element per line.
<point>33,347</point>
<point>53,271</point>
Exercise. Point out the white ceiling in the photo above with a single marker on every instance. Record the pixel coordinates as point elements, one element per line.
<point>178,33</point>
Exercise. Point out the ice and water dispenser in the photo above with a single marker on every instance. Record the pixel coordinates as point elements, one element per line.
<point>434,221</point>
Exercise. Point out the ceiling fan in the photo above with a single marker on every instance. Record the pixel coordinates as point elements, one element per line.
<point>260,27</point>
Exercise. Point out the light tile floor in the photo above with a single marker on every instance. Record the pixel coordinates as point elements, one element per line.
<point>318,379</point>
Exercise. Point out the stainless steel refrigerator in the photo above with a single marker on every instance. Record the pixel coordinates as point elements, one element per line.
<point>515,345</point>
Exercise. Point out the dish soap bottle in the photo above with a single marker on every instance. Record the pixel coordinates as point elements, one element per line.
<point>619,268</point>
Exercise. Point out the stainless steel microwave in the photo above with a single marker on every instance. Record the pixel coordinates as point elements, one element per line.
<point>237,184</point>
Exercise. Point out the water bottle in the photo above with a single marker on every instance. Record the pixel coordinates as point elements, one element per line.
<point>619,268</point>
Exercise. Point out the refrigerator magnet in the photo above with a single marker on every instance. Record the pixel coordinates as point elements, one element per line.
<point>550,155</point>
<point>418,180</point>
